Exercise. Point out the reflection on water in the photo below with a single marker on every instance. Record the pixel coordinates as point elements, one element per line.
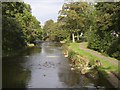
<point>14,72</point>
<point>74,79</point>
<point>14,75</point>
<point>44,67</point>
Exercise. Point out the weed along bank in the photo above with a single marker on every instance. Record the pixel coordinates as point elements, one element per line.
<point>90,65</point>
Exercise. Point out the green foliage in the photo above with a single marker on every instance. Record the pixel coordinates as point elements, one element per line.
<point>71,54</point>
<point>105,36</point>
<point>19,26</point>
<point>53,31</point>
<point>114,49</point>
<point>74,18</point>
<point>99,23</point>
<point>12,35</point>
<point>106,65</point>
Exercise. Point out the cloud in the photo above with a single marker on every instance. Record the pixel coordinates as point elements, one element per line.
<point>45,9</point>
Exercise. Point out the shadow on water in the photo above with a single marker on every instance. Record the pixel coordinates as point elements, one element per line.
<point>14,74</point>
<point>45,66</point>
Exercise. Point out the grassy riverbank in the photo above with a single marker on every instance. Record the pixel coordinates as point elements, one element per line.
<point>107,68</point>
<point>106,65</point>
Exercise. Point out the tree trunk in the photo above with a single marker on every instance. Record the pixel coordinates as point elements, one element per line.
<point>78,36</point>
<point>73,37</point>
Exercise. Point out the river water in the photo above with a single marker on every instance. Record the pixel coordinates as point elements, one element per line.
<point>45,66</point>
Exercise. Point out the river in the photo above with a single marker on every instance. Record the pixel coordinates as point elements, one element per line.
<point>45,66</point>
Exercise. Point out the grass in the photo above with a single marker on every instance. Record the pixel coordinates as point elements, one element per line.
<point>106,65</point>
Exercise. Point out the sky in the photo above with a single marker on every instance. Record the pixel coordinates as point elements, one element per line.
<point>44,10</point>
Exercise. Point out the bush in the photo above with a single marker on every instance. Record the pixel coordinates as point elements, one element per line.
<point>114,49</point>
<point>71,54</point>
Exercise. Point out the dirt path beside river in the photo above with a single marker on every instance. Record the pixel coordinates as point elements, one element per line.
<point>111,77</point>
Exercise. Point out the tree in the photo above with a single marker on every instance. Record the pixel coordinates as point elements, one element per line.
<point>107,31</point>
<point>11,28</point>
<point>48,28</point>
<point>19,26</point>
<point>73,16</point>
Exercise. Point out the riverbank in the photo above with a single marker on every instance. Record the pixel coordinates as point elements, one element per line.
<point>17,52</point>
<point>107,68</point>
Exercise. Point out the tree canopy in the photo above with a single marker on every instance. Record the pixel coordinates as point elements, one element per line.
<point>98,24</point>
<point>106,35</point>
<point>73,16</point>
<point>19,27</point>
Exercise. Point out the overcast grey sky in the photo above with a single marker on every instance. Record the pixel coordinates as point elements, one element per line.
<point>45,9</point>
